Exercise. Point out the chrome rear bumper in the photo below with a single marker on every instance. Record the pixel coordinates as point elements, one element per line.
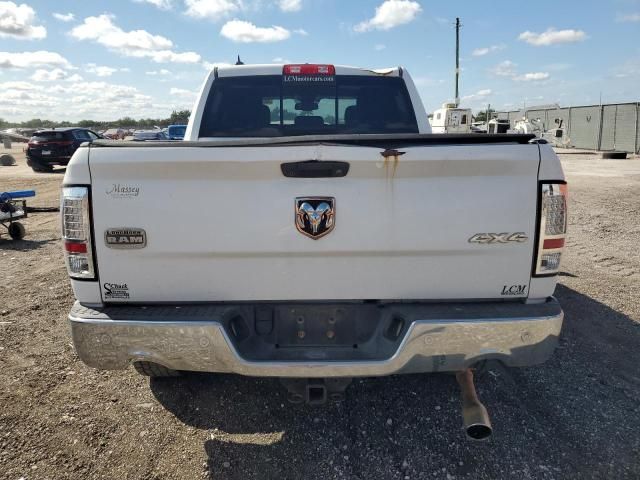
<point>443,337</point>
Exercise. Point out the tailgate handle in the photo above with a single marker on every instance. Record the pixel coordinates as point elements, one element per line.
<point>314,169</point>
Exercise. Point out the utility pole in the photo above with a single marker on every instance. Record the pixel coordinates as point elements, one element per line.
<point>457,61</point>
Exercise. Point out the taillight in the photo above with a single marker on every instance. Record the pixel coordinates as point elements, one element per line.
<point>76,232</point>
<point>309,69</point>
<point>552,229</point>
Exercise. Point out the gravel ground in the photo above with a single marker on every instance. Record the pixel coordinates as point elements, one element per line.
<point>577,416</point>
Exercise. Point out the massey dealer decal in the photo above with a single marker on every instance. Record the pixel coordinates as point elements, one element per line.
<point>125,237</point>
<point>115,290</point>
<point>118,190</point>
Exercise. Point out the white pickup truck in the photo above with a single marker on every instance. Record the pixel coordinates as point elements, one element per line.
<point>310,227</point>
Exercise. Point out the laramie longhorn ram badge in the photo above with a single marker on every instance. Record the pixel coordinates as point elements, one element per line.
<point>315,216</point>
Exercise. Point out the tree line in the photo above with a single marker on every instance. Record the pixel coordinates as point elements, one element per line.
<point>177,117</point>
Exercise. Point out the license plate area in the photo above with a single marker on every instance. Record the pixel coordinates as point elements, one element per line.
<point>299,326</point>
<point>46,152</point>
<point>314,331</point>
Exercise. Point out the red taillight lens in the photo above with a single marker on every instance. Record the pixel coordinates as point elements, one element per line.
<point>552,229</point>
<point>76,232</point>
<point>75,247</point>
<point>309,69</point>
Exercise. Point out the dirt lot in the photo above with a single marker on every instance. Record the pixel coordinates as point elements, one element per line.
<point>577,416</point>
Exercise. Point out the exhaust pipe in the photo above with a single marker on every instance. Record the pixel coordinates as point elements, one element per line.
<point>476,419</point>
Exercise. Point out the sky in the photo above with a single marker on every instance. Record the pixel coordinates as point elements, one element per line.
<point>91,59</point>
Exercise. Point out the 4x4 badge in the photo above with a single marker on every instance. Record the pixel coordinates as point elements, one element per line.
<point>315,216</point>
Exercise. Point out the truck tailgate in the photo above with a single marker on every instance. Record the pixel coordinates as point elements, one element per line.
<point>220,223</point>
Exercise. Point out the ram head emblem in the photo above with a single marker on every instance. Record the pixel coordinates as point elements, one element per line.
<point>315,216</point>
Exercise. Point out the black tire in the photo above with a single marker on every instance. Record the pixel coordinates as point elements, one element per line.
<point>36,167</point>
<point>7,160</point>
<point>614,155</point>
<point>16,230</point>
<point>154,370</point>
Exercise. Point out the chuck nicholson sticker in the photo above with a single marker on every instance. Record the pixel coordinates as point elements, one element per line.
<point>115,291</point>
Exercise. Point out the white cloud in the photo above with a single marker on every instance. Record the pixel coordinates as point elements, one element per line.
<point>211,65</point>
<point>531,77</point>
<point>18,85</point>
<point>74,101</point>
<point>427,81</point>
<point>629,17</point>
<point>246,32</point>
<point>56,74</point>
<point>504,69</point>
<point>557,67</point>
<point>390,14</point>
<point>479,95</point>
<point>161,4</point>
<point>17,21</point>
<point>181,92</point>
<point>509,69</point>
<point>64,17</point>
<point>212,9</point>
<point>40,58</point>
<point>134,43</point>
<point>290,5</point>
<point>552,37</point>
<point>102,70</point>
<point>479,52</point>
<point>630,69</point>
<point>162,71</point>
<point>281,60</point>
<point>301,31</point>
<point>379,47</point>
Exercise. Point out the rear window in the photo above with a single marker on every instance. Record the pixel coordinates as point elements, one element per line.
<point>81,135</point>
<point>49,136</point>
<point>269,106</point>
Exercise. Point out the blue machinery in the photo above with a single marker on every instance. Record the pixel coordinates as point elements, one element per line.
<point>13,207</point>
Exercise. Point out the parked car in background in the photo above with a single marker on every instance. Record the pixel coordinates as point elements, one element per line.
<point>150,135</point>
<point>50,147</point>
<point>115,134</point>
<point>176,132</point>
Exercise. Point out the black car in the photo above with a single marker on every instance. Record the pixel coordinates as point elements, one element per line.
<point>56,146</point>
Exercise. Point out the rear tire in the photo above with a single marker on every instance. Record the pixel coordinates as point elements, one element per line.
<point>39,168</point>
<point>7,160</point>
<point>16,230</point>
<point>154,370</point>
<point>614,155</point>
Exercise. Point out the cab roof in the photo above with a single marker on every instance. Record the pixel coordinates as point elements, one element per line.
<point>277,69</point>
